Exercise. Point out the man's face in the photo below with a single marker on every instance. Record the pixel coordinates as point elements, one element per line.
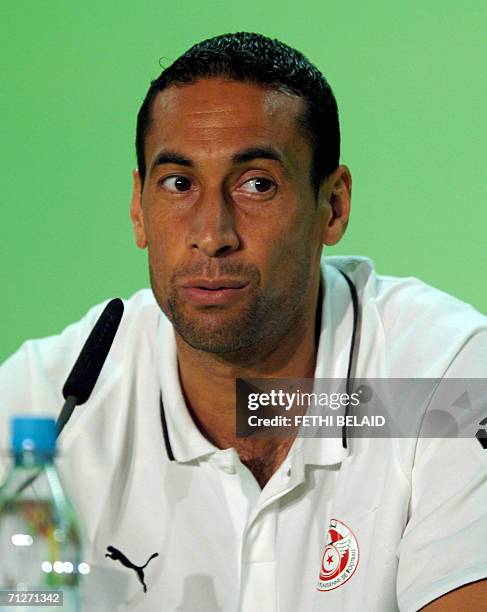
<point>227,211</point>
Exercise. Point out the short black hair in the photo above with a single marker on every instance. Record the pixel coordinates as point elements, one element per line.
<point>249,57</point>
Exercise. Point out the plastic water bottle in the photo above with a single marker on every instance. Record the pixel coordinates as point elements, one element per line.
<point>40,545</point>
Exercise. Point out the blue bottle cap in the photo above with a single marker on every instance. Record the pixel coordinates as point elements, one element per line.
<point>33,434</point>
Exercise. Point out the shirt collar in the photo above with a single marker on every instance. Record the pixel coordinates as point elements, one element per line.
<point>186,441</point>
<point>331,362</point>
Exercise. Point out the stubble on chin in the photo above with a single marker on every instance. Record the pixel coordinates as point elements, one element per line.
<point>234,331</point>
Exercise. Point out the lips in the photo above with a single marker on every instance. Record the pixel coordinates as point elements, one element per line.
<point>215,284</point>
<point>216,291</point>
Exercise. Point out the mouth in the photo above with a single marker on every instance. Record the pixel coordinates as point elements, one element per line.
<point>217,291</point>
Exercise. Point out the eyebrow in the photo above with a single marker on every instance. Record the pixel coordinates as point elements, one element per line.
<point>241,157</point>
<point>257,153</point>
<point>171,157</point>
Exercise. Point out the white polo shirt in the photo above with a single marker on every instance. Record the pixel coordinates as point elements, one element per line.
<point>384,525</point>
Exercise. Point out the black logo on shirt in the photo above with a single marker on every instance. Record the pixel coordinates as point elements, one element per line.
<point>116,555</point>
<point>481,435</point>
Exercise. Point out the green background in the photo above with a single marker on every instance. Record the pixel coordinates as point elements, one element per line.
<point>410,82</point>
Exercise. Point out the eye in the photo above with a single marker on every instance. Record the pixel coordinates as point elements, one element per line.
<point>258,184</point>
<point>176,184</point>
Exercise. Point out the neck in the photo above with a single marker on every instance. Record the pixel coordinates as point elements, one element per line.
<point>208,380</point>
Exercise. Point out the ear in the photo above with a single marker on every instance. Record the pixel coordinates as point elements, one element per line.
<point>136,215</point>
<point>335,197</point>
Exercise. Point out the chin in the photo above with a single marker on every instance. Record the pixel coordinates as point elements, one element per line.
<point>216,335</point>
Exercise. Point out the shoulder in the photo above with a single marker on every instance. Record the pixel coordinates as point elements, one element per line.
<point>413,324</point>
<point>33,377</point>
<point>405,300</point>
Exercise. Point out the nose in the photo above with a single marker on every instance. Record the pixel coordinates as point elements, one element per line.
<point>213,230</point>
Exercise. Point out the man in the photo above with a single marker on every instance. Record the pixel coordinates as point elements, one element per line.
<point>238,187</point>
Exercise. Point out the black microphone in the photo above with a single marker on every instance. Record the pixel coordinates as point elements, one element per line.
<point>82,378</point>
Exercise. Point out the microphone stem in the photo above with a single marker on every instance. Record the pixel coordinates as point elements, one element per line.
<point>66,412</point>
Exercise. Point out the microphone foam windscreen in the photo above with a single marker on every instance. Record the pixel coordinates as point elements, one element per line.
<point>87,368</point>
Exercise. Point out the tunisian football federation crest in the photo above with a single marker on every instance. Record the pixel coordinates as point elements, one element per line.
<point>340,558</point>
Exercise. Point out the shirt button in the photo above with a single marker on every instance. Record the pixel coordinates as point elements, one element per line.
<point>228,469</point>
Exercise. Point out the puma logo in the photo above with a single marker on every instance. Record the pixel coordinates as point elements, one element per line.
<point>116,555</point>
